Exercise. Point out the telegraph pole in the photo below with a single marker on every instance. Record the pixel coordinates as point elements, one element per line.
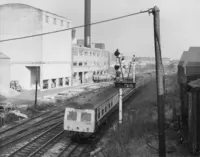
<point>159,82</point>
<point>133,60</point>
<point>36,84</point>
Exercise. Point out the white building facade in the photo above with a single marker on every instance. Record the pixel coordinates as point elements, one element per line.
<point>88,62</point>
<point>48,55</point>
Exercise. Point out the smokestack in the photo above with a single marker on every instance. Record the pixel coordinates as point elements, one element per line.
<point>87,37</point>
<point>74,41</point>
<point>73,34</point>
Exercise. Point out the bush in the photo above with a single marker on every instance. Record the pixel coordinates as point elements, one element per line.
<point>10,118</point>
<point>125,133</point>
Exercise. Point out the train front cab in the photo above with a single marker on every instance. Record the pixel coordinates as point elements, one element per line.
<point>193,137</point>
<point>79,121</point>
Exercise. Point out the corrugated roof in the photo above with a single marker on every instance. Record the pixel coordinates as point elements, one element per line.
<point>3,56</point>
<point>195,84</point>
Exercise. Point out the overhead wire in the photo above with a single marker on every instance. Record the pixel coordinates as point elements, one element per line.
<point>62,30</point>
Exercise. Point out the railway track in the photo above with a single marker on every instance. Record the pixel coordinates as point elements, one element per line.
<point>13,139</point>
<point>52,143</point>
<point>39,144</point>
<point>33,128</point>
<point>38,120</point>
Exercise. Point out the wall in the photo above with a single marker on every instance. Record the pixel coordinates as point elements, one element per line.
<point>57,48</point>
<point>56,71</point>
<point>4,73</point>
<point>97,59</point>
<point>18,20</point>
<point>21,73</point>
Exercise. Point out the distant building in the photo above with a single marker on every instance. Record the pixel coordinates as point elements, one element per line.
<point>99,46</point>
<point>88,62</point>
<point>80,42</point>
<point>50,54</point>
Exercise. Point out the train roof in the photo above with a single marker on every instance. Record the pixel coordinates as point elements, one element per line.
<point>195,83</point>
<point>94,99</point>
<point>183,58</point>
<point>190,57</point>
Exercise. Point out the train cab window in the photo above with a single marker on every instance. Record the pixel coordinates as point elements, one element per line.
<point>102,111</point>
<point>72,115</point>
<point>85,117</point>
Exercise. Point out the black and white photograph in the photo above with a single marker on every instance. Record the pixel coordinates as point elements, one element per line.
<point>99,78</point>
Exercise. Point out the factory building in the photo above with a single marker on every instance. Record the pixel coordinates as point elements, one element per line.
<point>88,62</point>
<point>49,55</point>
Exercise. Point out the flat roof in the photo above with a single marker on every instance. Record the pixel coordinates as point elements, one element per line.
<point>26,5</point>
<point>93,99</point>
<point>190,56</point>
<point>3,56</point>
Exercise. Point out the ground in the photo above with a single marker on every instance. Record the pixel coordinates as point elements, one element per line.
<point>137,136</point>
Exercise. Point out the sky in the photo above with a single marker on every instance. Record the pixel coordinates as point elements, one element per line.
<point>179,22</point>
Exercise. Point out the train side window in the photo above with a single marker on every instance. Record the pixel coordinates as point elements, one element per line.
<point>99,113</point>
<point>96,113</point>
<point>102,111</point>
<point>111,103</point>
<point>106,109</point>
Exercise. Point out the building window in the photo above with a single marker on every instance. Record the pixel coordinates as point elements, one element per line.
<point>54,21</point>
<point>102,111</point>
<point>80,64</point>
<point>47,19</point>
<point>74,75</point>
<point>61,23</point>
<point>90,53</point>
<point>75,64</point>
<point>81,52</point>
<point>85,63</point>
<point>67,24</point>
<point>86,53</point>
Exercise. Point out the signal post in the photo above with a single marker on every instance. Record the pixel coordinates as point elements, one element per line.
<point>121,82</point>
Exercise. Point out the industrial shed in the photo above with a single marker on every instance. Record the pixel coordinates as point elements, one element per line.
<point>194,116</point>
<point>4,72</point>
<point>189,65</point>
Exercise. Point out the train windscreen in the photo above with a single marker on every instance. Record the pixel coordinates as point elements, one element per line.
<point>85,117</point>
<point>72,115</point>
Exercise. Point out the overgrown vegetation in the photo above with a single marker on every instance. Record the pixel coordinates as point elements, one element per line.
<point>132,137</point>
<point>33,110</point>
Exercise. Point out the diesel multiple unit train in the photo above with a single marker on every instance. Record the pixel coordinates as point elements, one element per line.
<point>85,115</point>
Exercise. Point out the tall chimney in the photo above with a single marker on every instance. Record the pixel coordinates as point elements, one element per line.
<point>87,37</point>
<point>73,34</point>
<point>74,41</point>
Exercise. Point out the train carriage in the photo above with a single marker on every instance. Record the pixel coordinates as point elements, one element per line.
<point>85,115</point>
